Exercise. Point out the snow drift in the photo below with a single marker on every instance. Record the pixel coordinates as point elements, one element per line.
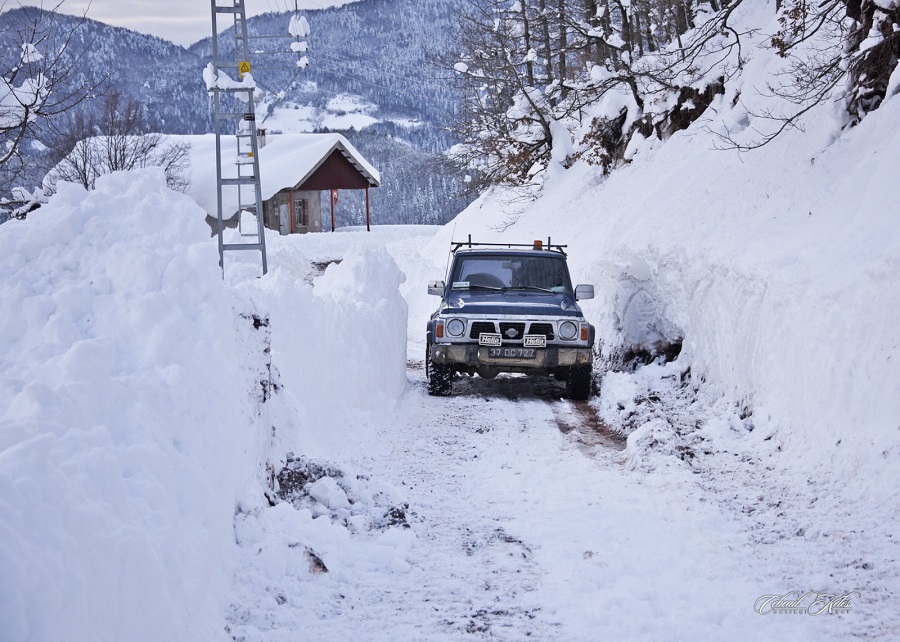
<point>122,446</point>
<point>137,413</point>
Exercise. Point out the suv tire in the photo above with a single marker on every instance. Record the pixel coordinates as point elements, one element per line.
<point>439,376</point>
<point>578,383</point>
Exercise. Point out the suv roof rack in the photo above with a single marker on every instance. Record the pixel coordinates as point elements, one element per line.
<point>537,245</point>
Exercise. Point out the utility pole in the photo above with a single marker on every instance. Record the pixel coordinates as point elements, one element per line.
<point>231,84</point>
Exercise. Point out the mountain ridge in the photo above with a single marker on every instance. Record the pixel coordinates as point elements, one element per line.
<point>387,71</point>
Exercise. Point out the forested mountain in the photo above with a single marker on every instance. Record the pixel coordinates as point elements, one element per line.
<point>376,49</point>
<point>161,76</point>
<point>374,53</point>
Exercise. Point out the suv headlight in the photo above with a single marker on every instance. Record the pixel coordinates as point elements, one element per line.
<point>456,327</point>
<point>568,330</point>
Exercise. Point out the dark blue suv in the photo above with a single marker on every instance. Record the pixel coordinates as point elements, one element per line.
<point>509,308</point>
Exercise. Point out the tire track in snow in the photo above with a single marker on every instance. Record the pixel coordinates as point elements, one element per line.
<point>522,532</point>
<point>577,419</point>
<point>479,575</point>
<point>476,577</point>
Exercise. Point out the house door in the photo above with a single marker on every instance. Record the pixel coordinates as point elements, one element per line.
<point>284,219</point>
<point>301,215</point>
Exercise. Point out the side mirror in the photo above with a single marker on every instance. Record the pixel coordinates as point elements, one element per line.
<point>584,291</point>
<point>437,288</point>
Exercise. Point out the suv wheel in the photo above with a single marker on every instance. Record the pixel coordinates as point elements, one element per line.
<point>578,383</point>
<point>439,376</point>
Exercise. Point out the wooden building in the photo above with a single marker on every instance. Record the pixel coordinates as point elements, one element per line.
<point>295,169</point>
<point>297,209</point>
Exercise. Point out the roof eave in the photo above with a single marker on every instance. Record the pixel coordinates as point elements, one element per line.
<point>339,146</point>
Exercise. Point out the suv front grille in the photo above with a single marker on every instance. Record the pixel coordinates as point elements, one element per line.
<point>481,326</point>
<point>545,329</point>
<point>512,331</point>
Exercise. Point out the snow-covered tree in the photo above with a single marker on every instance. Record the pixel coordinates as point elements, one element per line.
<point>115,139</point>
<point>844,47</point>
<point>525,67</point>
<point>40,80</point>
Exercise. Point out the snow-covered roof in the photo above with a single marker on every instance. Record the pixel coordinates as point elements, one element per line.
<point>286,161</point>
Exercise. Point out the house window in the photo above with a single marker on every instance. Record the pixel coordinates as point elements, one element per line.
<point>301,213</point>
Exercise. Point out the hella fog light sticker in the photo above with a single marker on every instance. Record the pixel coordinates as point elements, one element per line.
<point>535,341</point>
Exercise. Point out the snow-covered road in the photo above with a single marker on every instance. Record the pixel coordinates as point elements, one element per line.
<point>528,525</point>
<point>506,512</point>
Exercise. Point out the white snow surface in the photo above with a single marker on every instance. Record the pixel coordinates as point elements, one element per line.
<point>121,377</point>
<point>779,268</point>
<point>132,426</point>
<point>146,408</point>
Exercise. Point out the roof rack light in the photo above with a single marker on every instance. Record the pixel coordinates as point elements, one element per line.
<point>536,245</point>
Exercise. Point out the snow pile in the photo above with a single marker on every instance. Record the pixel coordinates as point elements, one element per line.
<point>338,528</point>
<point>218,79</point>
<point>338,351</point>
<point>339,347</point>
<point>143,400</point>
<point>123,432</point>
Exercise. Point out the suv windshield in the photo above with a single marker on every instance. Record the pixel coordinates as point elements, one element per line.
<point>537,273</point>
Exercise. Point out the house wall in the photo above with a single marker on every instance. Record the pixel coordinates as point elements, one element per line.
<point>336,172</point>
<point>283,212</point>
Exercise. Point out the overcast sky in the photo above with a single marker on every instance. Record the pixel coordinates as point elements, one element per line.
<point>184,22</point>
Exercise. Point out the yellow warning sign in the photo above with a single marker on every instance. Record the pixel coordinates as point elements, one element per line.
<point>244,67</point>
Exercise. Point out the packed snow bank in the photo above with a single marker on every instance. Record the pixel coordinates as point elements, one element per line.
<point>780,269</point>
<point>339,344</point>
<point>338,347</point>
<point>142,400</point>
<point>123,436</point>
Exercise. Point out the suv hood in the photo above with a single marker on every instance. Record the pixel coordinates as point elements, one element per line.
<point>511,302</point>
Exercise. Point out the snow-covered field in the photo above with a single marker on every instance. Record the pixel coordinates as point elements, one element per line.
<point>342,113</point>
<point>187,458</point>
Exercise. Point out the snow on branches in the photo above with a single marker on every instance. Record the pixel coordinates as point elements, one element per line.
<point>530,65</point>
<point>24,90</point>
<point>39,83</point>
<point>614,72</point>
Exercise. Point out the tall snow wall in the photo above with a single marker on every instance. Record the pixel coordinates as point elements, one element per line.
<point>124,436</point>
<point>779,268</point>
<point>141,399</point>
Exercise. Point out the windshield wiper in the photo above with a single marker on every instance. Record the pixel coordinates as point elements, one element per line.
<point>532,287</point>
<point>478,286</point>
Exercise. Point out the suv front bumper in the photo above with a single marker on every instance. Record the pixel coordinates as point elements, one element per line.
<point>474,355</point>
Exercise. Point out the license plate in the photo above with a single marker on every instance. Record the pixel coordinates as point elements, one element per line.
<point>534,341</point>
<point>512,353</point>
<point>488,339</point>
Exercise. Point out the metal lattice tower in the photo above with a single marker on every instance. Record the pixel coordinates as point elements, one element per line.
<point>235,117</point>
